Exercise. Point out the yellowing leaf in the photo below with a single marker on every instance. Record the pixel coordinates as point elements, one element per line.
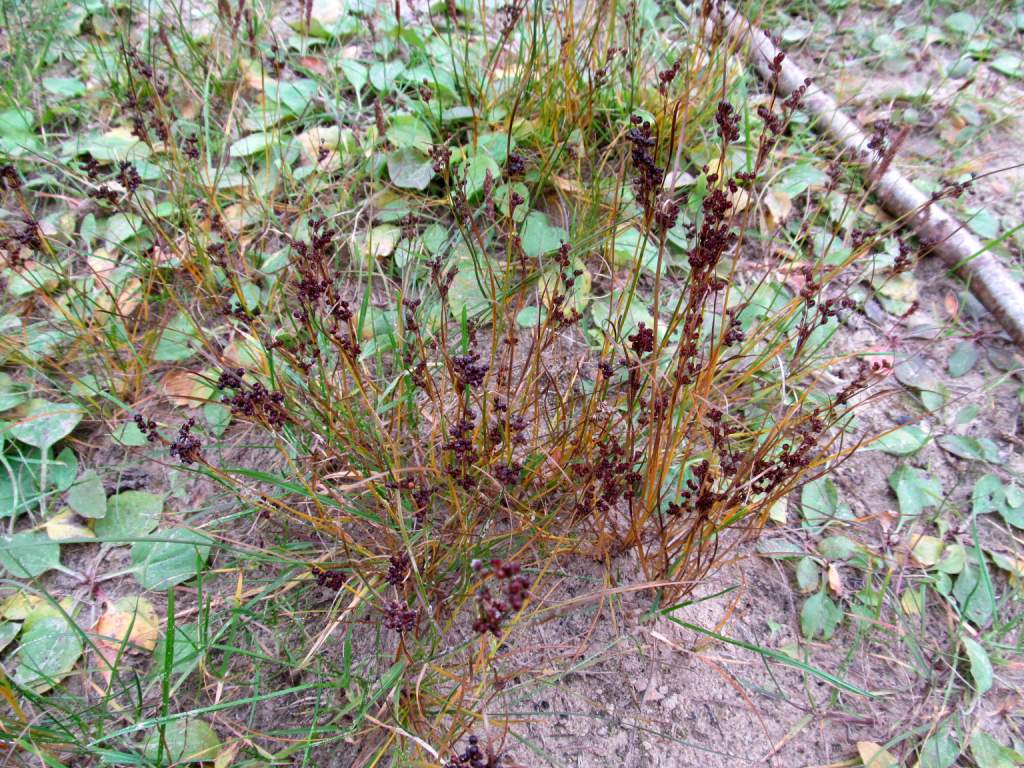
<point>927,550</point>
<point>66,526</point>
<point>130,620</point>
<point>872,755</point>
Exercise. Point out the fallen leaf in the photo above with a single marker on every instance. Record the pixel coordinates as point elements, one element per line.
<point>835,580</point>
<point>67,526</point>
<point>130,622</point>
<point>873,755</point>
<point>186,388</point>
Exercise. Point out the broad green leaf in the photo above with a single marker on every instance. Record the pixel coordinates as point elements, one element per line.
<point>962,22</point>
<point>962,359</point>
<point>409,132</point>
<point>988,495</point>
<point>903,441</point>
<point>8,631</point>
<point>12,394</point>
<point>820,505</point>
<point>808,574</point>
<point>355,72</point>
<point>252,144</point>
<point>914,490</point>
<point>130,515</point>
<point>48,652</point>
<point>530,317</point>
<point>60,473</point>
<point>116,145</point>
<point>171,557</point>
<point>801,177</point>
<point>122,227</point>
<point>819,615</point>
<point>87,497</point>
<point>383,74</point>
<point>476,171</point>
<point>176,341</point>
<point>989,753</point>
<point>186,740</point>
<point>927,550</point>
<point>410,169</point>
<point>467,292</point>
<point>981,666</point>
<point>539,237</point>
<point>973,595</point>
<point>64,87</point>
<point>44,423</point>
<point>976,449</point>
<point>939,750</point>
<point>28,554</point>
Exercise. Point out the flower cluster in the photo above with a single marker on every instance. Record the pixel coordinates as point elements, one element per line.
<point>492,610</point>
<point>186,446</point>
<point>473,757</point>
<point>398,618</point>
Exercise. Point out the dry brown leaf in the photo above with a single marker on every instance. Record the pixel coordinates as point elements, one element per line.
<point>186,388</point>
<point>779,206</point>
<point>835,580</point>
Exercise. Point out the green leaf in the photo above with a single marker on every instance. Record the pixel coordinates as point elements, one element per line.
<point>962,359</point>
<point>355,72</point>
<point>174,556</point>
<point>819,615</point>
<point>466,293</point>
<point>988,495</point>
<point>914,490</point>
<point>186,740</point>
<point>801,177</point>
<point>962,22</point>
<point>130,515</point>
<point>409,132</point>
<point>116,145</point>
<point>28,554</point>
<point>122,227</point>
<point>410,169</point>
<point>989,753</point>
<point>1009,64</point>
<point>64,87</point>
<point>904,441</point>
<point>476,174</point>
<point>12,394</point>
<point>252,144</point>
<point>981,666</point>
<point>940,750</point>
<point>8,631</point>
<point>176,341</point>
<point>975,449</point>
<point>973,596</point>
<point>539,237</point>
<point>530,317</point>
<point>820,505</point>
<point>383,74</point>
<point>48,652</point>
<point>808,574</point>
<point>62,470</point>
<point>15,123</point>
<point>44,423</point>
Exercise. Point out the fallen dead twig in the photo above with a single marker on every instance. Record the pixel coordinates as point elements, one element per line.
<point>939,232</point>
